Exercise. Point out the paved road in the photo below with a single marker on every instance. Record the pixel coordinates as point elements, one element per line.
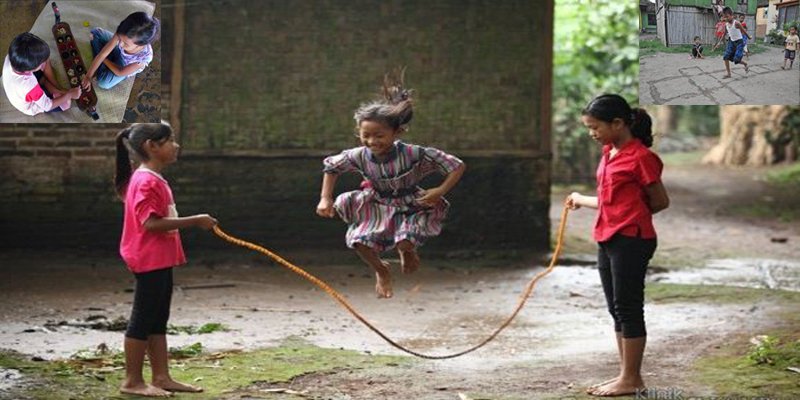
<point>669,78</point>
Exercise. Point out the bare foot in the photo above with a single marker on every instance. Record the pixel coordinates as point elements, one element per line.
<point>143,389</point>
<point>619,388</point>
<point>409,261</point>
<point>383,284</point>
<point>597,385</point>
<point>746,68</point>
<point>174,386</point>
<point>726,76</point>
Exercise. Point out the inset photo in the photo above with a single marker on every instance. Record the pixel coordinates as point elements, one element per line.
<point>719,52</point>
<point>74,61</point>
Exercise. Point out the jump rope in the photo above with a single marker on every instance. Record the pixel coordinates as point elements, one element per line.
<point>526,293</point>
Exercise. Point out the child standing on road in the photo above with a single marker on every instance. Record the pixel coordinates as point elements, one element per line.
<point>390,211</point>
<point>792,43</point>
<point>719,32</point>
<point>151,247</point>
<point>629,192</point>
<point>735,48</point>
<point>746,37</point>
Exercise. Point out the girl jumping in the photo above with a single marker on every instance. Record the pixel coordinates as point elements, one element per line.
<point>124,53</point>
<point>629,192</point>
<point>391,210</point>
<point>150,246</point>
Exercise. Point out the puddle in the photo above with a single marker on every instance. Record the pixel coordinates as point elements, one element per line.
<point>753,273</point>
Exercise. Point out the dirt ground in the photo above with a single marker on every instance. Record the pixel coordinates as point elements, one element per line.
<point>674,78</point>
<point>560,343</point>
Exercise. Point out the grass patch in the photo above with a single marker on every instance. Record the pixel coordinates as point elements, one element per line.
<point>210,327</point>
<point>718,294</point>
<point>785,175</point>
<point>682,158</point>
<point>781,211</point>
<point>217,373</point>
<point>654,46</point>
<point>743,368</point>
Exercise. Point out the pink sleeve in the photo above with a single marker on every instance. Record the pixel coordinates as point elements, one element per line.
<point>39,101</point>
<point>150,199</point>
<point>650,167</point>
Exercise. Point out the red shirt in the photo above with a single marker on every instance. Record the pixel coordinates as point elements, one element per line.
<point>149,194</point>
<point>622,205</point>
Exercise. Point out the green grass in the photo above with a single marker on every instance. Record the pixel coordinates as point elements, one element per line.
<point>736,368</point>
<point>654,46</point>
<point>682,158</point>
<point>717,294</point>
<point>781,211</point>
<point>216,373</point>
<point>785,175</point>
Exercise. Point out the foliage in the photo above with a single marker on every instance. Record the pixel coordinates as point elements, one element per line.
<point>190,350</point>
<point>210,327</point>
<point>768,350</point>
<point>595,52</point>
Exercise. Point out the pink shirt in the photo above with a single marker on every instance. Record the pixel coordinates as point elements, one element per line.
<point>24,92</point>
<point>148,194</point>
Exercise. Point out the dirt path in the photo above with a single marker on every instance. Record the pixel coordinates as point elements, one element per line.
<point>560,343</point>
<point>673,78</point>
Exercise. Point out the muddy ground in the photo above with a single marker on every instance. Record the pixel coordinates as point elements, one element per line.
<point>674,78</point>
<point>560,343</point>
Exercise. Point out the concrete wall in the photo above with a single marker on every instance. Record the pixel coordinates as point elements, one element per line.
<point>269,89</point>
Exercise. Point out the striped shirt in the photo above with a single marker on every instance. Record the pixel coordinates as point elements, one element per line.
<point>396,177</point>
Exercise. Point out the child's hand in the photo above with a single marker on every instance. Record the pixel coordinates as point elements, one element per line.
<point>86,83</point>
<point>430,197</point>
<point>75,93</point>
<point>205,221</point>
<point>572,201</point>
<point>325,208</point>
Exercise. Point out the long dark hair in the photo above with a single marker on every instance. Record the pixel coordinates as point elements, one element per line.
<point>140,27</point>
<point>131,140</point>
<point>609,107</point>
<point>395,108</point>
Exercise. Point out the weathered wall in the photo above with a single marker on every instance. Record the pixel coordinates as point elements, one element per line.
<point>269,90</point>
<point>278,74</point>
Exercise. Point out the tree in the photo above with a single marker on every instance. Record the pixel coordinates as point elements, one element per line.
<point>756,135</point>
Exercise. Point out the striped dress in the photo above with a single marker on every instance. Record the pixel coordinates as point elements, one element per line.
<point>385,210</point>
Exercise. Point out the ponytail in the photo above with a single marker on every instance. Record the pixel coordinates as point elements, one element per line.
<point>609,107</point>
<point>395,109</point>
<point>642,127</point>
<point>131,140</point>
<point>124,169</point>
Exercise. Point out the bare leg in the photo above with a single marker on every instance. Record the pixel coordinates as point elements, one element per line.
<point>727,68</point>
<point>383,284</point>
<point>159,363</point>
<point>621,362</point>
<point>630,379</point>
<point>746,67</point>
<point>50,77</point>
<point>134,381</point>
<point>409,259</point>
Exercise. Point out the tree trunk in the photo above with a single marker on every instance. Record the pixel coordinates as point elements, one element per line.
<point>754,135</point>
<point>666,120</point>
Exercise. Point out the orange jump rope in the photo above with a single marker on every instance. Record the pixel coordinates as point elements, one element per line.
<point>526,293</point>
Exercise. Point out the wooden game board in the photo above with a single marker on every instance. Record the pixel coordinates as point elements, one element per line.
<point>73,63</point>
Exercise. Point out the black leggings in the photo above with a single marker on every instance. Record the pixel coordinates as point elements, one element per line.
<point>151,302</point>
<point>622,262</point>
